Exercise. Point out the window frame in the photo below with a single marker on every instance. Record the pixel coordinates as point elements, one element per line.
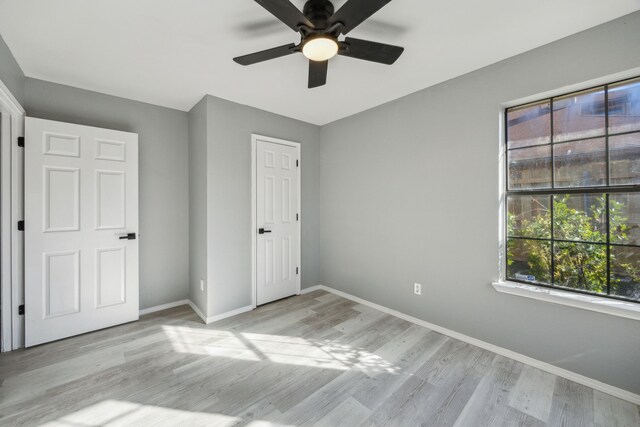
<point>607,190</point>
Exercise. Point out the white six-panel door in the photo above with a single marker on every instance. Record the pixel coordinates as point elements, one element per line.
<point>81,199</point>
<point>277,220</point>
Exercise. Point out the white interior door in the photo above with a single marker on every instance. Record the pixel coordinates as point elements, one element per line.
<point>277,220</point>
<point>81,203</point>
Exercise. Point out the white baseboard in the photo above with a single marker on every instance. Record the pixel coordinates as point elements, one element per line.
<point>217,317</point>
<point>163,306</point>
<point>555,370</point>
<point>195,308</point>
<point>312,288</point>
<point>179,303</point>
<point>229,314</point>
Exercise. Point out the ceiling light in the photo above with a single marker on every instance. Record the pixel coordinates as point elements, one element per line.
<point>320,48</point>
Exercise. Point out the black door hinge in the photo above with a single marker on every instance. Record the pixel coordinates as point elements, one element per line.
<point>297,217</point>
<point>20,225</point>
<point>21,310</point>
<point>297,270</point>
<point>21,141</point>
<point>297,163</point>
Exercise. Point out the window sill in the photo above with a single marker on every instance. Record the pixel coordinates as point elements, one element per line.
<point>613,307</point>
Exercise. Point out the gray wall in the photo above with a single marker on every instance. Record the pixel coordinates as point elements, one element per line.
<point>409,192</point>
<point>10,72</point>
<point>229,129</point>
<point>198,204</point>
<point>163,176</point>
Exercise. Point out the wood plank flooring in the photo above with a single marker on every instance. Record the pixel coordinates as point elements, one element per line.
<point>316,359</point>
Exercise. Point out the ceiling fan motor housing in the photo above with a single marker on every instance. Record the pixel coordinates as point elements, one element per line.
<point>318,12</point>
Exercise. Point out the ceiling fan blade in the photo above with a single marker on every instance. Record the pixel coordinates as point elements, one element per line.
<point>370,51</point>
<point>354,12</point>
<point>265,55</point>
<point>317,73</point>
<point>285,11</point>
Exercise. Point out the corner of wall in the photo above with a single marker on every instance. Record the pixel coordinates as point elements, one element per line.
<point>198,273</point>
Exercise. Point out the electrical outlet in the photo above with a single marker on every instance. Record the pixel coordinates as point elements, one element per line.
<point>202,284</point>
<point>417,288</point>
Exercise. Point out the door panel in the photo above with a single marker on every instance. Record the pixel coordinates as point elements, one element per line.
<point>111,277</point>
<point>61,283</point>
<point>81,196</point>
<point>110,199</point>
<point>277,178</point>
<point>61,199</point>
<point>56,144</point>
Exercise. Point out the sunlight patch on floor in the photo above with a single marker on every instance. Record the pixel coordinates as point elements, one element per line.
<point>208,342</point>
<point>114,413</point>
<point>324,354</point>
<point>317,353</point>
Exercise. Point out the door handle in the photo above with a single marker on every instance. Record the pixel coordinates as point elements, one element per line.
<point>262,231</point>
<point>128,236</point>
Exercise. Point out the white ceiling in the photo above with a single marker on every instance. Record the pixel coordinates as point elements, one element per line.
<point>173,52</point>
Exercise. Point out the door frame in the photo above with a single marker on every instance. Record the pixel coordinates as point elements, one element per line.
<point>11,211</point>
<point>254,213</point>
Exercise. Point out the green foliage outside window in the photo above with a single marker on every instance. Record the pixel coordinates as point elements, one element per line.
<point>577,265</point>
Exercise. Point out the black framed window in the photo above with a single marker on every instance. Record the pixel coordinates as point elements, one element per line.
<point>573,191</point>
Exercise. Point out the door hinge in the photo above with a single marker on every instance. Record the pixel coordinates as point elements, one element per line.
<point>297,268</point>
<point>21,141</point>
<point>21,310</point>
<point>20,225</point>
<point>297,163</point>
<point>297,217</point>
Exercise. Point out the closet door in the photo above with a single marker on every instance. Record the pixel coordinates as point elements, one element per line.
<point>81,220</point>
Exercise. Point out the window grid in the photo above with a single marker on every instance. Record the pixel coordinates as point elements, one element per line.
<point>551,201</point>
<point>607,189</point>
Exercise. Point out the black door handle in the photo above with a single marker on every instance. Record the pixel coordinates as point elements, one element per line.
<point>262,231</point>
<point>129,236</point>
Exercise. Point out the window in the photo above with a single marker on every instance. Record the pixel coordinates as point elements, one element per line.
<point>573,191</point>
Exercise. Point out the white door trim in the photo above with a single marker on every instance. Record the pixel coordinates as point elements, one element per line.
<point>11,207</point>
<point>254,213</point>
<point>9,101</point>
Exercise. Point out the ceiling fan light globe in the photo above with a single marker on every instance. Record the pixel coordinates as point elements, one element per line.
<point>320,49</point>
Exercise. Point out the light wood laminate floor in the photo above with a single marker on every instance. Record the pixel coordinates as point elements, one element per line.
<point>315,359</point>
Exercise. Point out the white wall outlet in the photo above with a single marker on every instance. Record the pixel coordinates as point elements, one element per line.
<point>417,288</point>
<point>202,284</point>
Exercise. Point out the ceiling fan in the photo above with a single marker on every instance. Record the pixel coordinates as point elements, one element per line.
<point>320,27</point>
